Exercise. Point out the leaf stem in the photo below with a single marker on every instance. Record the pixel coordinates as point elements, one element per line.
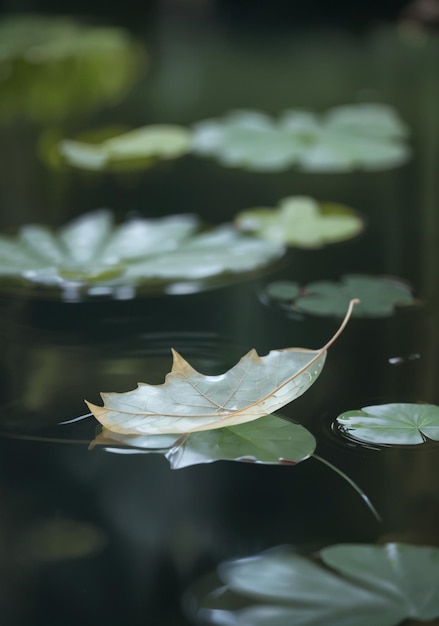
<point>354,485</point>
<point>343,325</point>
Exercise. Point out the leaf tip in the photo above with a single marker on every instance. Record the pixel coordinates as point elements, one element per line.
<point>96,410</point>
<point>179,364</point>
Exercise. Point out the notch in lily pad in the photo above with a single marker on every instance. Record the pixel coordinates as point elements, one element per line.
<point>380,296</point>
<point>302,222</point>
<point>391,424</point>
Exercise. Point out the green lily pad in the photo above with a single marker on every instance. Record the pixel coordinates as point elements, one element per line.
<point>283,290</point>
<point>302,222</point>
<point>51,67</point>
<point>268,440</point>
<point>365,136</point>
<point>366,585</point>
<point>396,423</point>
<point>379,296</point>
<point>137,148</point>
<point>93,255</point>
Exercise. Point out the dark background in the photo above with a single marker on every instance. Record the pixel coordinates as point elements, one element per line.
<point>277,14</point>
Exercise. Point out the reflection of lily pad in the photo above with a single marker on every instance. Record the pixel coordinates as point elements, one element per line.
<point>269,439</point>
<point>137,148</point>
<point>51,67</point>
<point>366,585</point>
<point>378,295</point>
<point>367,136</point>
<point>94,255</point>
<point>397,423</point>
<point>302,222</point>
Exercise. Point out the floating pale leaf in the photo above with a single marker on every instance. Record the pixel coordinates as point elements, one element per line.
<point>189,401</point>
<point>142,146</point>
<point>378,295</point>
<point>366,585</point>
<point>92,252</point>
<point>368,136</point>
<point>302,222</point>
<point>395,423</point>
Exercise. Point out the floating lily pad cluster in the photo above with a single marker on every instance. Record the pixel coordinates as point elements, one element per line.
<point>51,66</point>
<point>364,136</point>
<point>379,295</point>
<point>346,584</point>
<point>95,255</point>
<point>302,222</point>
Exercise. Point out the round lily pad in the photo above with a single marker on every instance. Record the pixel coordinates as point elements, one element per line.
<point>342,585</point>
<point>302,222</point>
<point>396,423</point>
<point>379,296</point>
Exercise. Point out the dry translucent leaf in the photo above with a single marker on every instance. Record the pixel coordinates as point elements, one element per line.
<point>189,401</point>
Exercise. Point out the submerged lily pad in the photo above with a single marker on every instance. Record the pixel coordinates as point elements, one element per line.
<point>51,67</point>
<point>95,256</point>
<point>302,222</point>
<point>365,136</point>
<point>270,439</point>
<point>396,423</point>
<point>366,585</point>
<point>141,147</point>
<point>379,296</point>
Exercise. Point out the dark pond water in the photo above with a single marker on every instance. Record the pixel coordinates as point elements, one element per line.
<point>93,537</point>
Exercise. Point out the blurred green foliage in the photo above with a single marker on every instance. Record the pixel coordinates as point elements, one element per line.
<point>52,67</point>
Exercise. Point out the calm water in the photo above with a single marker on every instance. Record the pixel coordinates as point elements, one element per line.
<point>138,533</point>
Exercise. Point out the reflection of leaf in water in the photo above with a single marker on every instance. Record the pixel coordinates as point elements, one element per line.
<point>92,253</point>
<point>270,439</point>
<point>395,423</point>
<point>134,149</point>
<point>378,295</point>
<point>61,538</point>
<point>189,401</point>
<point>51,67</point>
<point>366,586</point>
<point>366,136</point>
<point>302,222</point>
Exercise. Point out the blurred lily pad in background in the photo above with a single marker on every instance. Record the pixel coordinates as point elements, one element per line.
<point>347,584</point>
<point>362,136</point>
<point>52,67</point>
<point>395,423</point>
<point>301,222</point>
<point>95,256</point>
<point>379,295</point>
<point>134,149</point>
